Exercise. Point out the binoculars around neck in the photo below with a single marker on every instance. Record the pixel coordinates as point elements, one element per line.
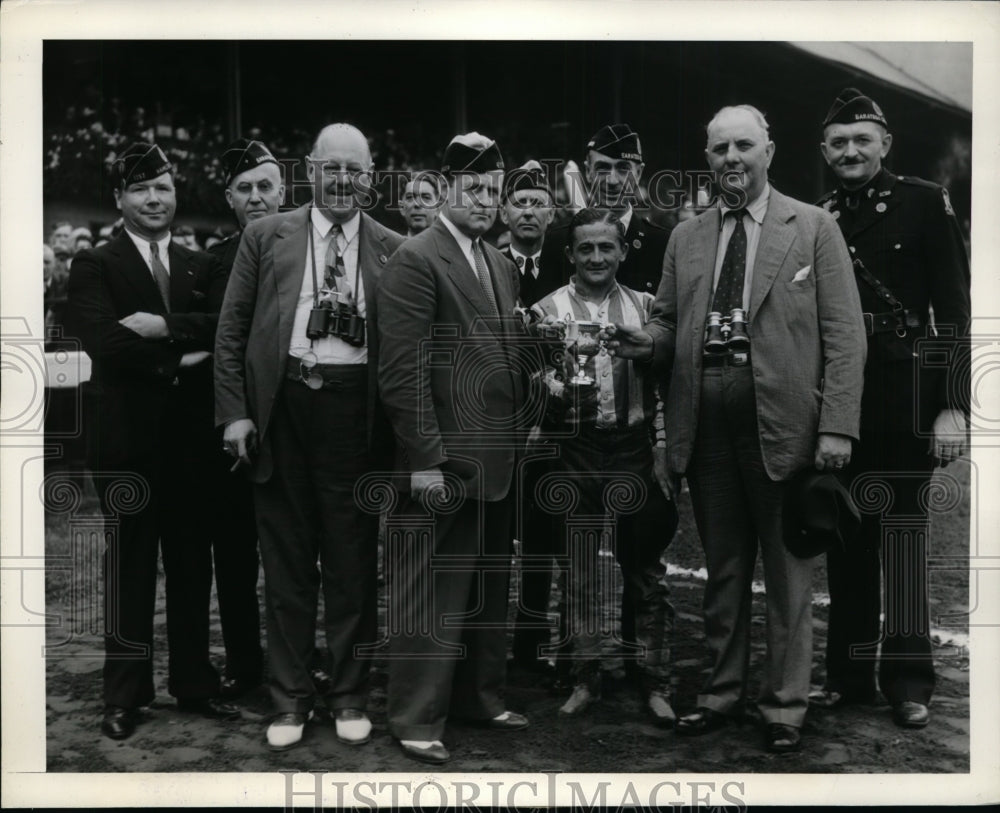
<point>727,334</point>
<point>340,319</point>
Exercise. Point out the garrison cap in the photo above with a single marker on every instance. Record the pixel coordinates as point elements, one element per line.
<point>471,152</point>
<point>139,162</point>
<point>527,176</point>
<point>852,106</point>
<point>244,154</point>
<point>617,141</point>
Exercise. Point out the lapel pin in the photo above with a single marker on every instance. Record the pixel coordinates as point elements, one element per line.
<point>382,258</point>
<point>637,244</point>
<point>880,207</point>
<point>885,193</point>
<point>871,192</point>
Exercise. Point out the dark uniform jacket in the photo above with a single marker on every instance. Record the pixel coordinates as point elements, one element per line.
<point>531,289</point>
<point>643,265</point>
<point>905,232</point>
<point>225,250</point>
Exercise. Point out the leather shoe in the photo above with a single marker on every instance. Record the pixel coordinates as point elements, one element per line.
<point>583,697</point>
<point>118,722</point>
<point>909,714</point>
<point>702,721</point>
<point>782,739</point>
<point>286,730</point>
<point>211,707</point>
<point>353,726</point>
<point>658,705</point>
<point>232,688</point>
<point>433,753</point>
<point>508,721</point>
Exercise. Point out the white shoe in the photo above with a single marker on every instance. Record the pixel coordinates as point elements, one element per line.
<point>581,698</point>
<point>659,707</point>
<point>285,730</point>
<point>353,727</point>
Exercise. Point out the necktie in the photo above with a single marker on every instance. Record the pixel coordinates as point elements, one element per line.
<point>729,291</point>
<point>336,276</point>
<point>529,267</point>
<point>160,274</point>
<point>484,276</point>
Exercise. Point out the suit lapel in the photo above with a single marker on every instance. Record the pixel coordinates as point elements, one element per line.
<point>181,278</point>
<point>291,244</point>
<point>776,237</point>
<point>135,270</point>
<point>372,254</point>
<point>462,275</point>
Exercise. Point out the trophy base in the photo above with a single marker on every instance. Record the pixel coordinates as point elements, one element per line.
<point>581,381</point>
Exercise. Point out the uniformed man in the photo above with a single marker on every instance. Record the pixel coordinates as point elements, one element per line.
<point>613,169</point>
<point>254,190</point>
<point>527,211</point>
<point>909,258</point>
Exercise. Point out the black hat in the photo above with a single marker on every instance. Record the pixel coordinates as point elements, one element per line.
<point>244,154</point>
<point>852,106</point>
<point>471,152</point>
<point>819,514</point>
<point>617,141</point>
<point>527,176</point>
<point>139,162</point>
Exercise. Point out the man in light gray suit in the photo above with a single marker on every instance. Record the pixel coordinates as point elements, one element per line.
<point>295,389</point>
<point>743,421</point>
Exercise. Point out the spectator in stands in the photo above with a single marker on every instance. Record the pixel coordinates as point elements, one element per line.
<point>184,236</point>
<point>421,202</point>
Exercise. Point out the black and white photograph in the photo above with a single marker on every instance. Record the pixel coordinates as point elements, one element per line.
<point>509,405</point>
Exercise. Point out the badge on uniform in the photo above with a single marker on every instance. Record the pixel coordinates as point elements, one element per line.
<point>947,203</point>
<point>828,204</point>
<point>880,207</point>
<point>637,244</point>
<point>836,215</point>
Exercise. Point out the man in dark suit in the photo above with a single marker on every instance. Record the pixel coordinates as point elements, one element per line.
<point>254,189</point>
<point>909,257</point>
<point>145,311</point>
<point>452,393</point>
<point>295,389</point>
<point>741,422</point>
<point>612,170</point>
<point>527,211</point>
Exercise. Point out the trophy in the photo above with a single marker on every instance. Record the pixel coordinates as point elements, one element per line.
<point>582,337</point>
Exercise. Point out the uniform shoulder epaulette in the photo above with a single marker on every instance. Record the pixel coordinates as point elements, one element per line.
<point>827,197</point>
<point>914,181</point>
<point>650,224</point>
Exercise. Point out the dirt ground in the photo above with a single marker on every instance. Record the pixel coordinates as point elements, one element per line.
<point>614,737</point>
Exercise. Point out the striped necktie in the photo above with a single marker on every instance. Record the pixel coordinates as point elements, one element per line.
<point>483,272</point>
<point>160,274</point>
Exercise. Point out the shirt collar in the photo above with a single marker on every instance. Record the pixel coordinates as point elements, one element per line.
<point>142,244</point>
<point>611,294</point>
<point>463,240</point>
<point>756,210</point>
<point>323,224</point>
<point>626,217</point>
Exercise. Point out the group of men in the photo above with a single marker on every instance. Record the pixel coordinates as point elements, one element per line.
<point>345,355</point>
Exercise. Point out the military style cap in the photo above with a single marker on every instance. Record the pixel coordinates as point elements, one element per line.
<point>471,152</point>
<point>819,514</point>
<point>244,154</point>
<point>139,162</point>
<point>852,106</point>
<point>527,176</point>
<point>617,141</point>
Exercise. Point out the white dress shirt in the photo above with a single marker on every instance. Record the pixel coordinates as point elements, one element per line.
<point>142,244</point>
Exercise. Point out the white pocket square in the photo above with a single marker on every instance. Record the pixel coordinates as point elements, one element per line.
<point>802,273</point>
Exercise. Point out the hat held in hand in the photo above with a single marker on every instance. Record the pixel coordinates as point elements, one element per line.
<point>819,514</point>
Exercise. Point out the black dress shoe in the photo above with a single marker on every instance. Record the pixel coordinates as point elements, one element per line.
<point>909,714</point>
<point>233,687</point>
<point>119,722</point>
<point>701,722</point>
<point>211,707</point>
<point>782,739</point>
<point>432,754</point>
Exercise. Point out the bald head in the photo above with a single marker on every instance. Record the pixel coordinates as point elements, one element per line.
<point>340,169</point>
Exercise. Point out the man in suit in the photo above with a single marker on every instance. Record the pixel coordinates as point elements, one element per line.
<point>145,312</point>
<point>254,189</point>
<point>295,390</point>
<point>612,170</point>
<point>453,394</point>
<point>909,257</point>
<point>741,422</point>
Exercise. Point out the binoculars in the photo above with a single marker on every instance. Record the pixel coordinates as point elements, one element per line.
<point>338,319</point>
<point>727,333</point>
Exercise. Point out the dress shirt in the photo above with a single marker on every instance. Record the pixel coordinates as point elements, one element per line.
<point>524,258</point>
<point>328,350</point>
<point>752,221</point>
<point>464,243</point>
<point>142,244</point>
